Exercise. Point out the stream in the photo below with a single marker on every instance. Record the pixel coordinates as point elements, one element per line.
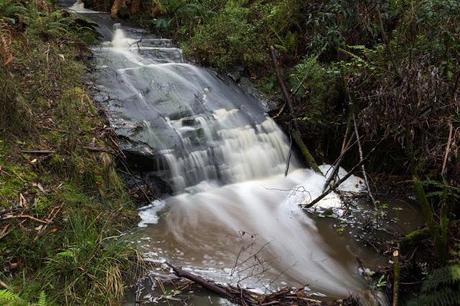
<point>232,216</point>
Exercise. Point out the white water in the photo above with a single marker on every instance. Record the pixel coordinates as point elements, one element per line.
<point>206,230</point>
<point>235,217</point>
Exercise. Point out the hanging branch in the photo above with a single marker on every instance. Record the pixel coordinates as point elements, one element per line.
<point>309,159</point>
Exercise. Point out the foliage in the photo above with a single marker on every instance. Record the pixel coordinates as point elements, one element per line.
<point>67,257</point>
<point>442,287</point>
<point>439,196</point>
<point>9,298</point>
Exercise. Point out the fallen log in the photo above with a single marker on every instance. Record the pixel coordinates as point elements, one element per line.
<point>242,296</point>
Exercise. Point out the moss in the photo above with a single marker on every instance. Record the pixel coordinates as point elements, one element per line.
<point>61,207</point>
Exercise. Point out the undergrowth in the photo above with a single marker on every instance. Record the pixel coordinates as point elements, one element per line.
<point>393,66</point>
<point>62,204</point>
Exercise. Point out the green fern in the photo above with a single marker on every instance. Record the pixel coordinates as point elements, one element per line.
<point>443,297</point>
<point>9,298</point>
<point>441,288</point>
<point>42,299</point>
<point>445,276</point>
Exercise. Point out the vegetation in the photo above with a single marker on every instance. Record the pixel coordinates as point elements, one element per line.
<point>393,65</point>
<point>62,204</point>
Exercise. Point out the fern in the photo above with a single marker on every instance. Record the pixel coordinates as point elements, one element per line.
<point>441,288</point>
<point>9,298</point>
<point>445,276</point>
<point>443,297</point>
<point>42,299</point>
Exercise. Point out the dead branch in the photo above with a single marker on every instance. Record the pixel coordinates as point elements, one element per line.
<point>25,217</point>
<point>345,147</point>
<point>241,296</point>
<point>343,179</point>
<point>363,168</point>
<point>309,159</point>
<point>98,149</point>
<point>210,285</point>
<point>38,152</point>
<point>449,143</point>
<point>281,110</point>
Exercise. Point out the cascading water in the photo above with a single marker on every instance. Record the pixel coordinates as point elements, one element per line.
<point>234,215</point>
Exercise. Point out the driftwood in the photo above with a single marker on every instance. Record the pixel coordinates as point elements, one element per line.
<point>309,159</point>
<point>245,297</point>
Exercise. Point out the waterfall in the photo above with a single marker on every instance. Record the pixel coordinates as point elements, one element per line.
<point>202,127</point>
<point>234,215</point>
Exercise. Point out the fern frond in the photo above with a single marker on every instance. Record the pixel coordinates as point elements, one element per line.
<point>444,276</point>
<point>42,299</point>
<point>443,297</point>
<point>8,297</point>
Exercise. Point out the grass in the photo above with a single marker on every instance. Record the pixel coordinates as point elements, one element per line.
<point>62,212</point>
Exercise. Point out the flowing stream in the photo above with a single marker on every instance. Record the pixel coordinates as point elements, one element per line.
<point>233,215</point>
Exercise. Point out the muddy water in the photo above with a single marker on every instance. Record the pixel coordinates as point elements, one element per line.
<point>234,217</point>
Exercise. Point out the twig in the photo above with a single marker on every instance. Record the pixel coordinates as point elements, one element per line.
<point>449,143</point>
<point>5,231</point>
<point>363,168</point>
<point>38,152</point>
<point>2,284</point>
<point>335,169</point>
<point>97,149</point>
<point>26,217</point>
<point>288,161</point>
<point>281,110</point>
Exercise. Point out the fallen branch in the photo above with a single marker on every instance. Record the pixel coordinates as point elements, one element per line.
<point>210,285</point>
<point>98,149</point>
<point>38,152</point>
<point>345,147</point>
<point>343,179</point>
<point>241,296</point>
<point>25,217</point>
<point>5,231</point>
